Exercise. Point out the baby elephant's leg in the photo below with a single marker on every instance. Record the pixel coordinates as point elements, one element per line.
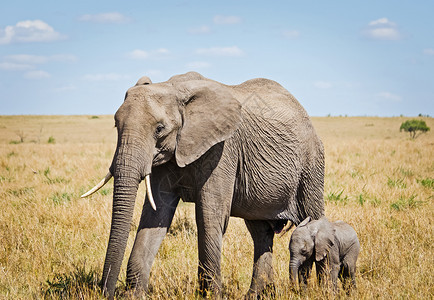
<point>348,277</point>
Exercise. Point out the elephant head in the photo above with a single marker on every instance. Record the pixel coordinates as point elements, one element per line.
<point>177,120</point>
<point>310,241</point>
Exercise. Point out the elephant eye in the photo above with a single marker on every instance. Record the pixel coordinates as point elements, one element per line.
<point>303,250</point>
<point>159,129</point>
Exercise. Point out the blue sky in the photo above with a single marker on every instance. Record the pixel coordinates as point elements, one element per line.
<point>351,58</point>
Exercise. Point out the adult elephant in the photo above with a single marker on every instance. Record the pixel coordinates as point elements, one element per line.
<point>247,150</point>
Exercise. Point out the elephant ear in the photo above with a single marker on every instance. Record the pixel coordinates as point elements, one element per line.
<point>324,233</point>
<point>144,81</point>
<point>210,115</point>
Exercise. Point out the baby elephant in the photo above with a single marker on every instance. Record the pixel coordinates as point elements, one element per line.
<point>333,247</point>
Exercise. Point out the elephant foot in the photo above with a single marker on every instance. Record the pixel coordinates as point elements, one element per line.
<point>269,292</point>
<point>209,293</point>
<point>209,287</point>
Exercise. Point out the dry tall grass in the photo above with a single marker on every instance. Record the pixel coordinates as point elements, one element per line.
<point>52,243</point>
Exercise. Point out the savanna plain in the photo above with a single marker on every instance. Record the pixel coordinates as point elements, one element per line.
<point>53,243</point>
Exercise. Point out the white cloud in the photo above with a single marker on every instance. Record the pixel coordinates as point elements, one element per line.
<point>39,59</point>
<point>27,59</point>
<point>26,62</point>
<point>138,54</point>
<point>381,22</point>
<point>200,30</point>
<point>105,77</point>
<point>142,54</point>
<point>383,29</point>
<point>37,74</point>
<point>10,66</point>
<point>322,84</point>
<point>384,34</point>
<point>389,96</point>
<point>162,51</point>
<point>291,34</point>
<point>198,65</point>
<point>65,88</point>
<point>429,51</point>
<point>29,31</point>
<point>226,20</point>
<point>221,51</point>
<point>104,18</point>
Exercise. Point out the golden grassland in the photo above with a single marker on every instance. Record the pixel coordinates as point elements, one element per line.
<point>52,243</point>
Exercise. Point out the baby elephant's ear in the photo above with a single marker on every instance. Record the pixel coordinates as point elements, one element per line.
<point>304,222</point>
<point>324,238</point>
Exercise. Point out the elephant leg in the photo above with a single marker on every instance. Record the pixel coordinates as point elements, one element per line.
<point>348,276</point>
<point>352,271</point>
<point>152,229</point>
<point>211,225</point>
<point>304,273</point>
<point>262,235</point>
<point>321,271</point>
<point>213,207</point>
<point>334,275</point>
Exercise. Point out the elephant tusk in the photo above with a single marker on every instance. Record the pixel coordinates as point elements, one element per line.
<point>149,191</point>
<point>98,186</point>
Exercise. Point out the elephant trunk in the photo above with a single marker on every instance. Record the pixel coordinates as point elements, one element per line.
<point>293,272</point>
<point>128,169</point>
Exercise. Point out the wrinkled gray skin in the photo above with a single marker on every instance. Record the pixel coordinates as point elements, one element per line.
<point>334,247</point>
<point>247,150</point>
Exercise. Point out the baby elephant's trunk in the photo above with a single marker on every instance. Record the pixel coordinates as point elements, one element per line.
<point>293,273</point>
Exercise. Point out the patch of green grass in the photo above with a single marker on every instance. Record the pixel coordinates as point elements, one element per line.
<point>337,197</point>
<point>375,202</point>
<point>22,191</point>
<point>105,192</point>
<point>60,198</point>
<point>396,183</point>
<point>54,180</point>
<point>393,223</point>
<point>14,142</point>
<point>94,117</point>
<point>73,285</point>
<point>47,171</point>
<point>51,140</point>
<point>426,182</point>
<point>361,199</point>
<point>404,203</point>
<point>406,172</point>
<point>13,153</point>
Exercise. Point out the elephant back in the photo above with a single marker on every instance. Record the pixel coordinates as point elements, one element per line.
<point>186,77</point>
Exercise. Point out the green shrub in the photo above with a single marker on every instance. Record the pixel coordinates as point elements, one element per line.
<point>51,140</point>
<point>74,285</point>
<point>413,126</point>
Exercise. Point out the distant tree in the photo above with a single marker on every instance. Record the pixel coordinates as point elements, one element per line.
<point>413,126</point>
